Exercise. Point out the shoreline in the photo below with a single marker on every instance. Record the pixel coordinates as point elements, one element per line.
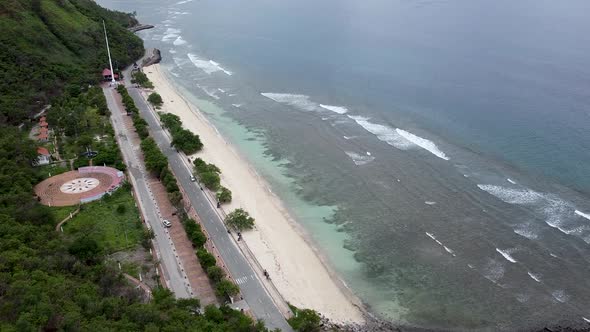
<point>305,280</point>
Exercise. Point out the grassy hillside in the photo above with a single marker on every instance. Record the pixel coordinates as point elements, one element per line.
<point>51,46</point>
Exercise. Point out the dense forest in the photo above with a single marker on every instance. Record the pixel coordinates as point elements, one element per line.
<point>52,46</point>
<point>51,52</point>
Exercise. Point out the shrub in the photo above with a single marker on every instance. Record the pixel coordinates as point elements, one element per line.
<point>205,258</point>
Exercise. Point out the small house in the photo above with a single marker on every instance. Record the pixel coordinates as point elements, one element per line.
<point>43,156</point>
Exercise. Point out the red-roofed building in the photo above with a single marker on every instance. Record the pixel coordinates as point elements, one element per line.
<point>43,156</point>
<point>107,75</point>
<point>43,137</point>
<point>43,130</point>
<point>43,118</point>
<point>43,124</point>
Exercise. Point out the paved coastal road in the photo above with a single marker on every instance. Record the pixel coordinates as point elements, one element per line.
<point>254,293</point>
<point>136,170</point>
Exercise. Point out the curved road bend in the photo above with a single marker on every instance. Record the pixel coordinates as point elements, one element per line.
<point>175,278</point>
<point>255,295</point>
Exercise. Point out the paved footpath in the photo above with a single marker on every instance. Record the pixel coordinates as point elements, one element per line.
<point>256,296</point>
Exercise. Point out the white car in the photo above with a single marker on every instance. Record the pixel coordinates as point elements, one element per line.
<point>166,223</point>
<point>193,179</point>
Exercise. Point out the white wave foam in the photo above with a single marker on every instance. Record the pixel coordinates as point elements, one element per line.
<point>298,101</point>
<point>208,92</point>
<point>170,34</point>
<point>172,51</point>
<point>582,214</point>
<point>511,181</point>
<point>336,109</point>
<point>450,251</point>
<point>183,2</point>
<point>237,105</point>
<point>358,159</point>
<point>429,202</point>
<point>398,138</point>
<point>383,133</point>
<point>348,137</point>
<point>535,277</point>
<point>555,209</point>
<point>526,230</point>
<point>553,255</point>
<point>423,143</point>
<point>208,66</point>
<point>447,249</point>
<point>512,196</point>
<point>179,41</point>
<point>506,254</point>
<point>221,90</point>
<point>560,295</point>
<point>586,319</point>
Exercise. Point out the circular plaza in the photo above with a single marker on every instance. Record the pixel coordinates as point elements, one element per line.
<point>84,185</point>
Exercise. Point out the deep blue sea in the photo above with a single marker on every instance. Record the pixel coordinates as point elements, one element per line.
<point>438,151</point>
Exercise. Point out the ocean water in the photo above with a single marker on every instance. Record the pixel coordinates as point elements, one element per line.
<point>437,151</point>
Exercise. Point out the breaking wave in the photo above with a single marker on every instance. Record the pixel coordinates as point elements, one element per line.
<point>179,41</point>
<point>560,295</point>
<point>557,212</point>
<point>208,66</point>
<point>336,109</point>
<point>526,230</point>
<point>398,138</point>
<point>423,143</point>
<point>582,214</point>
<point>358,159</point>
<point>535,277</point>
<point>170,34</point>
<point>506,254</point>
<point>447,249</point>
<point>303,102</point>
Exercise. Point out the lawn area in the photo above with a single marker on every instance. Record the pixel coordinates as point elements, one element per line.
<point>113,222</point>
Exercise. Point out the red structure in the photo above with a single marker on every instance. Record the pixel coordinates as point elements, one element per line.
<point>107,75</point>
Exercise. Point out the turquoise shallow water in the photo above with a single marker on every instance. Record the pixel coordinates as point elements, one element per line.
<point>436,151</point>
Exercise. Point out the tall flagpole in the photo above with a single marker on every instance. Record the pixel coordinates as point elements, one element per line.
<point>109,53</point>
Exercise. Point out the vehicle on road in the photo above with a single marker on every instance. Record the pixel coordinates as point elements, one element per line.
<point>193,179</point>
<point>166,223</point>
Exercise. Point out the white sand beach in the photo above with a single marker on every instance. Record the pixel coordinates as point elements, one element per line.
<point>278,242</point>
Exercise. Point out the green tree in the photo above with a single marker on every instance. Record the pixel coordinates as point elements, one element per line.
<point>226,288</point>
<point>211,180</point>
<point>224,195</point>
<point>205,258</point>
<point>239,220</point>
<point>304,320</point>
<point>155,99</point>
<point>215,273</point>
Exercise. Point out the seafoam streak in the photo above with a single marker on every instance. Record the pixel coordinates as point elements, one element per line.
<point>535,277</point>
<point>506,254</point>
<point>582,214</point>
